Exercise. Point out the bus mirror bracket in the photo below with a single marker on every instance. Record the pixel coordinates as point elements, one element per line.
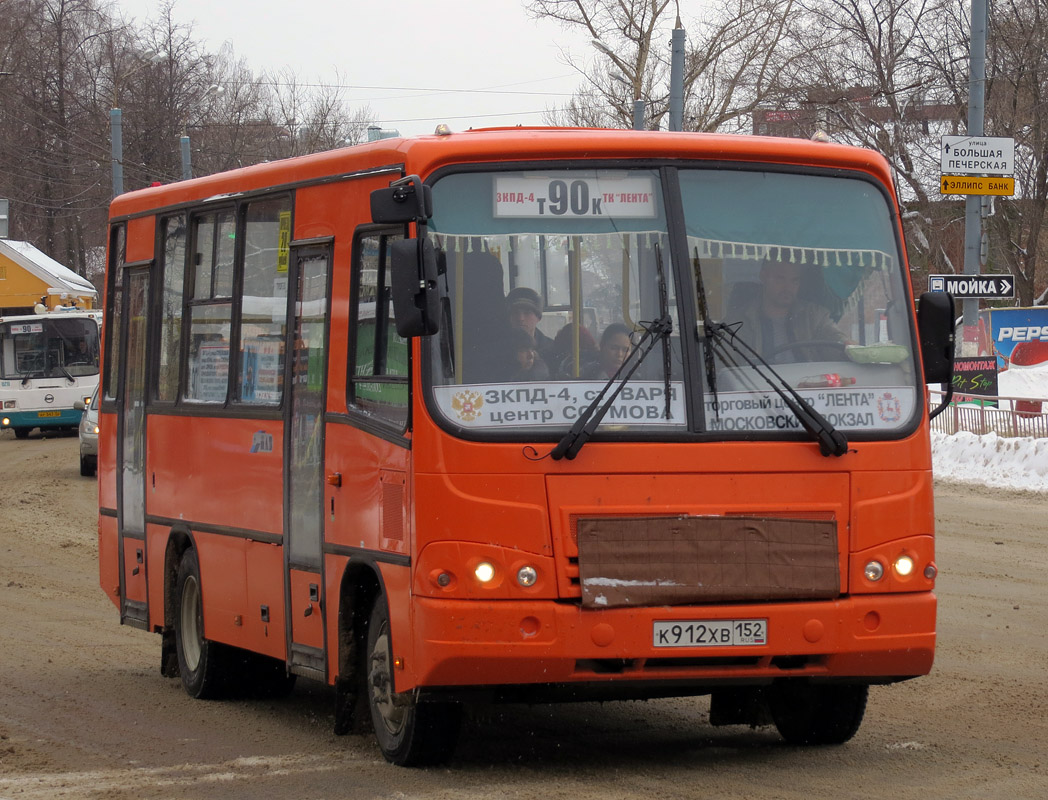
<point>935,327</point>
<point>413,262</point>
<point>406,199</point>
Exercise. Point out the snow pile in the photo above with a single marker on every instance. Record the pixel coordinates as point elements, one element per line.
<point>1019,464</point>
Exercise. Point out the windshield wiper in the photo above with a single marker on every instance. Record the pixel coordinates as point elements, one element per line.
<point>707,333</point>
<point>568,447</point>
<point>831,441</point>
<point>658,330</point>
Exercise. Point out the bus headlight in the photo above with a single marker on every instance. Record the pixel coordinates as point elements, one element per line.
<point>904,566</point>
<point>10,404</point>
<point>484,572</point>
<point>874,571</point>
<point>5,421</point>
<point>527,575</point>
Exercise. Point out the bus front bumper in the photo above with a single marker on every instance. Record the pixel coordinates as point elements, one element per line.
<point>59,417</point>
<point>870,638</point>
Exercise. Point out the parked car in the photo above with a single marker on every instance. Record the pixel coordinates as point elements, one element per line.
<point>88,435</point>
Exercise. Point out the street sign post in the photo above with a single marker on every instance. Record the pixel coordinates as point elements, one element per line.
<point>983,155</point>
<point>977,184</point>
<point>995,287</point>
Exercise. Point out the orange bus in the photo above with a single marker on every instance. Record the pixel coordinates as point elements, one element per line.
<point>525,415</point>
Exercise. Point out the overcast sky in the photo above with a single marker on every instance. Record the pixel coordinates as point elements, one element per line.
<point>469,63</point>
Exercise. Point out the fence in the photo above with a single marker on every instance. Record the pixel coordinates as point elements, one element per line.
<point>1011,416</point>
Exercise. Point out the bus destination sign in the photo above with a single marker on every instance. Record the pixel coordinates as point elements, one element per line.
<point>552,196</point>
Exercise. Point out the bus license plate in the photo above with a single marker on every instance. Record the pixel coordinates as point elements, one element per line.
<point>710,633</point>
<point>49,413</point>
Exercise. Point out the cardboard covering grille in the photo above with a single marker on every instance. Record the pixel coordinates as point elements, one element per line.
<point>645,561</point>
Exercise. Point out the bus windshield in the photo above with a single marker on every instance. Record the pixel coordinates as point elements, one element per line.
<point>48,347</point>
<point>553,277</point>
<point>805,274</point>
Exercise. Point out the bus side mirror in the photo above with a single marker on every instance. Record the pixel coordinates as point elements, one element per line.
<point>935,329</point>
<point>416,299</point>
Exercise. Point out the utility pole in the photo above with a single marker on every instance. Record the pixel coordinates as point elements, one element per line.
<point>973,206</point>
<point>187,164</point>
<point>677,76</point>
<point>117,144</point>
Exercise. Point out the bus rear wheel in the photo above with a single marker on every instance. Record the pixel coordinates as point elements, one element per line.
<point>409,733</point>
<point>817,714</point>
<point>199,661</point>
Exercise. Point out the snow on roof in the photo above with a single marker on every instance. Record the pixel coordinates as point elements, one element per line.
<point>46,268</point>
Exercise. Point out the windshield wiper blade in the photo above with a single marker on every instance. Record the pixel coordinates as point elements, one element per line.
<point>831,441</point>
<point>707,333</point>
<point>568,447</point>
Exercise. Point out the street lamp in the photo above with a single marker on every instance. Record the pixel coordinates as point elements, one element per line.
<point>116,121</point>
<point>638,103</point>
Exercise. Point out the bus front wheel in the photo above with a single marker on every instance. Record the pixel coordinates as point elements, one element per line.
<point>818,714</point>
<point>409,733</point>
<point>199,661</point>
<point>22,433</point>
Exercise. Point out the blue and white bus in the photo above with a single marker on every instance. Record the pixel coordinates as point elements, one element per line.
<point>48,361</point>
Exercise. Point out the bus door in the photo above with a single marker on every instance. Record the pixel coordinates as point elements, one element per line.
<point>304,457</point>
<point>131,446</point>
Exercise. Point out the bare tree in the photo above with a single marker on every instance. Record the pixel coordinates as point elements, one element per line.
<point>50,173</point>
<point>308,118</point>
<point>1016,101</point>
<point>737,56</point>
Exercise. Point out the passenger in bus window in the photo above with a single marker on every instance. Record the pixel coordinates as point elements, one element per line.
<point>525,310</point>
<point>564,362</point>
<point>775,315</point>
<point>529,364</point>
<point>615,346</point>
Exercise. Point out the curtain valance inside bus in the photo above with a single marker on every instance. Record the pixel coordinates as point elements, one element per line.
<point>842,225</point>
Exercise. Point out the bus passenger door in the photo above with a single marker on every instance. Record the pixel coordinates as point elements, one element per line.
<point>131,447</point>
<point>304,456</point>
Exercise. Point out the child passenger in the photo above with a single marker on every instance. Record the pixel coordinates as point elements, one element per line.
<point>529,364</point>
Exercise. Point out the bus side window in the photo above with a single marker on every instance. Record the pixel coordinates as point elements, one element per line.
<point>264,307</point>
<point>210,308</point>
<point>378,383</point>
<point>114,304</point>
<point>173,265</point>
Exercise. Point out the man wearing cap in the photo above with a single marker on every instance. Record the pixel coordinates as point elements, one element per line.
<point>525,311</point>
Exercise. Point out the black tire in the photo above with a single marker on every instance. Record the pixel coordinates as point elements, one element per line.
<point>817,714</point>
<point>200,662</point>
<point>87,466</point>
<point>409,733</point>
<point>22,433</point>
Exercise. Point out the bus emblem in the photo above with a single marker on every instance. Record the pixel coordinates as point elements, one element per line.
<point>889,408</point>
<point>49,398</point>
<point>467,405</point>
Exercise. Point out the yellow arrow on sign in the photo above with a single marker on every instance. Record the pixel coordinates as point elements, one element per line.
<point>977,184</point>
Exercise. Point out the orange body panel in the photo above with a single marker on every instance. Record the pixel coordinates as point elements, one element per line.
<point>204,469</point>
